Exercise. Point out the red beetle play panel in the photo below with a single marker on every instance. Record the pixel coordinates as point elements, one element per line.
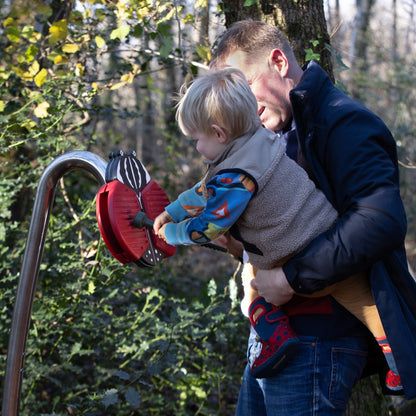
<point>116,206</point>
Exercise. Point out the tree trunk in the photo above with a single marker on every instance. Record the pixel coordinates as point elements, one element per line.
<point>235,10</point>
<point>359,45</point>
<point>302,21</point>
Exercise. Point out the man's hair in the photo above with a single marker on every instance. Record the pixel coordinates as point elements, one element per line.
<point>252,37</point>
<point>220,97</point>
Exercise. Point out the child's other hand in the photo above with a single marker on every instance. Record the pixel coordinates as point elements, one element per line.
<point>160,220</point>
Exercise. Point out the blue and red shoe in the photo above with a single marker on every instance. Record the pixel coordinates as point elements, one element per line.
<point>278,340</point>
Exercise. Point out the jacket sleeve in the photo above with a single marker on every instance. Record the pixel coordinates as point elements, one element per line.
<point>228,198</point>
<point>356,167</point>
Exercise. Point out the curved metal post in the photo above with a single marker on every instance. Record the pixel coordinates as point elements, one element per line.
<point>30,267</point>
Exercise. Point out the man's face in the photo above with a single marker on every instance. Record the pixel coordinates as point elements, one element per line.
<point>269,87</point>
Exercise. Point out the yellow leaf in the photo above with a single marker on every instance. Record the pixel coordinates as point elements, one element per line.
<point>117,86</point>
<point>31,71</point>
<point>127,78</point>
<point>60,60</point>
<point>70,48</point>
<point>1,106</point>
<point>9,22</point>
<point>58,31</point>
<point>79,70</point>
<point>99,41</point>
<point>40,77</point>
<point>41,111</point>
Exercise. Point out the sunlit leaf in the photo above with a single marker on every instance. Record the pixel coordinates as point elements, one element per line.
<point>120,33</point>
<point>79,70</point>
<point>41,111</point>
<point>100,42</point>
<point>9,22</point>
<point>31,52</point>
<point>58,31</point>
<point>117,86</point>
<point>249,3</point>
<point>40,77</point>
<point>34,68</point>
<point>60,59</point>
<point>203,52</point>
<point>127,78</point>
<point>30,34</point>
<point>201,3</point>
<point>13,33</point>
<point>70,48</point>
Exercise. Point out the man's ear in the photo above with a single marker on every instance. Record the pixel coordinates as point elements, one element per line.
<point>221,134</point>
<point>279,61</point>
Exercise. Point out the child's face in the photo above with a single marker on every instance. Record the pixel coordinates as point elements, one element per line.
<point>210,145</point>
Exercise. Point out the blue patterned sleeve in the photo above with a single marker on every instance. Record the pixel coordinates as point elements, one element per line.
<point>190,203</point>
<point>229,194</point>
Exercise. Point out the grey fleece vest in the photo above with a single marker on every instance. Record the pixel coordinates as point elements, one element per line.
<point>287,211</point>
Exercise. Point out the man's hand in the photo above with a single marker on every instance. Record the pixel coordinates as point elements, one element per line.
<point>233,246</point>
<point>273,286</point>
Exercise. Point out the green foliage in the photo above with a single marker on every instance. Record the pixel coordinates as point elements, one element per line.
<point>104,338</point>
<point>110,340</point>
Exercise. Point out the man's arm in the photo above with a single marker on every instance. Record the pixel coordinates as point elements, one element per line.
<point>357,169</point>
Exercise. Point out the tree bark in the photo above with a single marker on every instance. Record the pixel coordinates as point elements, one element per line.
<point>302,21</point>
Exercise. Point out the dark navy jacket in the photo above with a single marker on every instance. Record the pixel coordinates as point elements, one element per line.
<point>352,158</point>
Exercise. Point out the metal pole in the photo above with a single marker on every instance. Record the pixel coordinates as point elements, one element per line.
<point>30,267</point>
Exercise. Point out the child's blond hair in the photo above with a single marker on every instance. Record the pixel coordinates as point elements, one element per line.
<point>221,97</point>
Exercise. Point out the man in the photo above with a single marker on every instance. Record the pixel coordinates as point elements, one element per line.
<point>351,156</point>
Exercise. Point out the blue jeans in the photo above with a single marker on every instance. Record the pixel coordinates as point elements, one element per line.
<point>316,382</point>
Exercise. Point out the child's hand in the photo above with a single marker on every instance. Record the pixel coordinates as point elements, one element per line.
<point>160,220</point>
<point>161,233</point>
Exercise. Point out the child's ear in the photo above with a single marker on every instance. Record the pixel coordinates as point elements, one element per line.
<point>221,134</point>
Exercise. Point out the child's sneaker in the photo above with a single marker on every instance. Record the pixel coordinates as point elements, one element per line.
<point>278,340</point>
<point>394,383</point>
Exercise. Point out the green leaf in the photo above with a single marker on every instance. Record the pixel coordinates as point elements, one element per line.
<point>249,3</point>
<point>44,10</point>
<point>120,33</point>
<point>122,375</point>
<point>110,397</point>
<point>132,397</point>
<point>311,55</point>
<point>13,33</point>
<point>166,47</point>
<point>203,52</point>
<point>31,52</point>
